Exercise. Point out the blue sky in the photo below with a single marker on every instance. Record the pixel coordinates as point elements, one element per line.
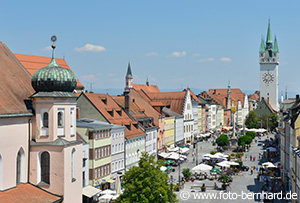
<point>200,44</point>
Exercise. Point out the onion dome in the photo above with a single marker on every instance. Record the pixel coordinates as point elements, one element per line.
<point>53,77</point>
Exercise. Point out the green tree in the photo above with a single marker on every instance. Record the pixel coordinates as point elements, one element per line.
<point>273,121</point>
<point>146,183</point>
<point>222,140</point>
<point>187,173</point>
<point>251,120</point>
<point>251,134</point>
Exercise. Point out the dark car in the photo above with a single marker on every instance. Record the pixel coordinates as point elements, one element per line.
<point>245,168</point>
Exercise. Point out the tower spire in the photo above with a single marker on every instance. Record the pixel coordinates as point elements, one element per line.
<point>262,45</point>
<point>275,48</point>
<point>129,73</point>
<point>269,37</point>
<point>53,61</point>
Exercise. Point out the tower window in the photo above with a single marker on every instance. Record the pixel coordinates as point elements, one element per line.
<point>60,122</point>
<point>45,119</point>
<point>73,163</point>
<point>45,167</point>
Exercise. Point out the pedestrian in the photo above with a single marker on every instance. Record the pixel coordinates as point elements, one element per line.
<point>254,158</point>
<point>193,159</point>
<point>251,171</point>
<point>250,157</point>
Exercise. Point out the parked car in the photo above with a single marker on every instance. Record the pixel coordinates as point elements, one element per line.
<point>245,168</point>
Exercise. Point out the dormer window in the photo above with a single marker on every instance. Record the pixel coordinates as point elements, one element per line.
<point>45,120</point>
<point>104,100</point>
<point>119,112</point>
<point>111,113</point>
<point>128,126</point>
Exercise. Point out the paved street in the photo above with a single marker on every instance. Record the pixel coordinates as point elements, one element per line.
<point>244,182</point>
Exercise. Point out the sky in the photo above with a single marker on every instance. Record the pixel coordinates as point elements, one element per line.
<point>175,43</point>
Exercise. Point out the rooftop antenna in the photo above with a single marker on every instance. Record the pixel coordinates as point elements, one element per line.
<point>285,92</point>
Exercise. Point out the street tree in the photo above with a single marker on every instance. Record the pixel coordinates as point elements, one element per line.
<point>146,183</point>
<point>222,140</point>
<point>251,120</point>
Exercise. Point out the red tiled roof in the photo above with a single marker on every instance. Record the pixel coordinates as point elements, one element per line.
<point>156,103</point>
<point>146,88</point>
<point>173,99</point>
<point>33,63</point>
<point>15,83</point>
<point>194,97</point>
<point>145,105</point>
<point>255,96</point>
<point>124,119</point>
<point>269,105</point>
<point>221,95</point>
<point>134,109</point>
<point>27,193</point>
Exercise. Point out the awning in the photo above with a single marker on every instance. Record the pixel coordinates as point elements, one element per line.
<point>90,191</point>
<point>111,181</point>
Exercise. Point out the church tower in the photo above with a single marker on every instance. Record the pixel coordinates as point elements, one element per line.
<point>55,152</point>
<point>269,61</point>
<point>128,79</point>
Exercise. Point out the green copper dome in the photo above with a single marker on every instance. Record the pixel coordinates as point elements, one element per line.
<point>53,78</point>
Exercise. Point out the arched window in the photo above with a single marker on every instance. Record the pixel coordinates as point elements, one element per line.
<point>60,122</point>
<point>45,120</point>
<point>45,167</point>
<point>73,164</point>
<point>20,176</point>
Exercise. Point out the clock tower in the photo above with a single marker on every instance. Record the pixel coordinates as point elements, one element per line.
<point>269,61</point>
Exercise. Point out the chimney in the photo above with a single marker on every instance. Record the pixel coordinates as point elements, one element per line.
<point>127,102</point>
<point>297,97</point>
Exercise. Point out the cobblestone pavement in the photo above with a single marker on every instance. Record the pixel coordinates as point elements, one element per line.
<point>242,183</point>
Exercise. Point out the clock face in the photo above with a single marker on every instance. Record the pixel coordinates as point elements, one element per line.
<point>268,78</point>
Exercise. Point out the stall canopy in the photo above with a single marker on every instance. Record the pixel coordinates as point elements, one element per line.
<point>269,165</point>
<point>201,168</point>
<point>183,150</point>
<point>176,156</point>
<point>90,191</point>
<point>222,164</point>
<point>108,192</point>
<point>164,154</point>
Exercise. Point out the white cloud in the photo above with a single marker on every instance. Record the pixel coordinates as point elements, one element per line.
<point>206,59</point>
<point>152,54</point>
<point>90,77</point>
<point>195,55</point>
<point>225,59</point>
<point>90,47</point>
<point>178,54</point>
<point>111,74</point>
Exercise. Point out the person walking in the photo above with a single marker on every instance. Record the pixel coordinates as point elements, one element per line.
<point>254,158</point>
<point>250,157</point>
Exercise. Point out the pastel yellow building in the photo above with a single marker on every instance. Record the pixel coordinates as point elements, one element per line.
<point>170,131</point>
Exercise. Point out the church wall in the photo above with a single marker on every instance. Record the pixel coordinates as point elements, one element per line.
<point>14,134</point>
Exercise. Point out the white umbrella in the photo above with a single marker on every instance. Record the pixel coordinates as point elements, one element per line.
<point>115,197</point>
<point>207,155</point>
<point>105,197</point>
<point>230,163</point>
<point>201,168</point>
<point>118,186</point>
<point>223,164</point>
<point>163,168</point>
<point>267,164</point>
<point>108,192</point>
<point>164,154</point>
<point>183,150</point>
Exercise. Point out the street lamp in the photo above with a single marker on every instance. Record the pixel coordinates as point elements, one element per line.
<point>196,145</point>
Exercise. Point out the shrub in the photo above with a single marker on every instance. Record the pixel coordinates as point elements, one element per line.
<point>187,173</point>
<point>213,152</point>
<point>251,134</point>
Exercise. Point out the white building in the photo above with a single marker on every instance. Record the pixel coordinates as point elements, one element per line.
<point>117,150</point>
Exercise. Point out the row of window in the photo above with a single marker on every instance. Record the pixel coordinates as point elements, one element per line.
<point>132,158</point>
<point>101,152</point>
<point>117,135</point>
<point>188,128</point>
<point>134,143</point>
<point>117,165</point>
<point>149,136</point>
<point>117,148</point>
<point>188,117</point>
<point>102,171</point>
<point>60,118</point>
<point>102,134</point>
